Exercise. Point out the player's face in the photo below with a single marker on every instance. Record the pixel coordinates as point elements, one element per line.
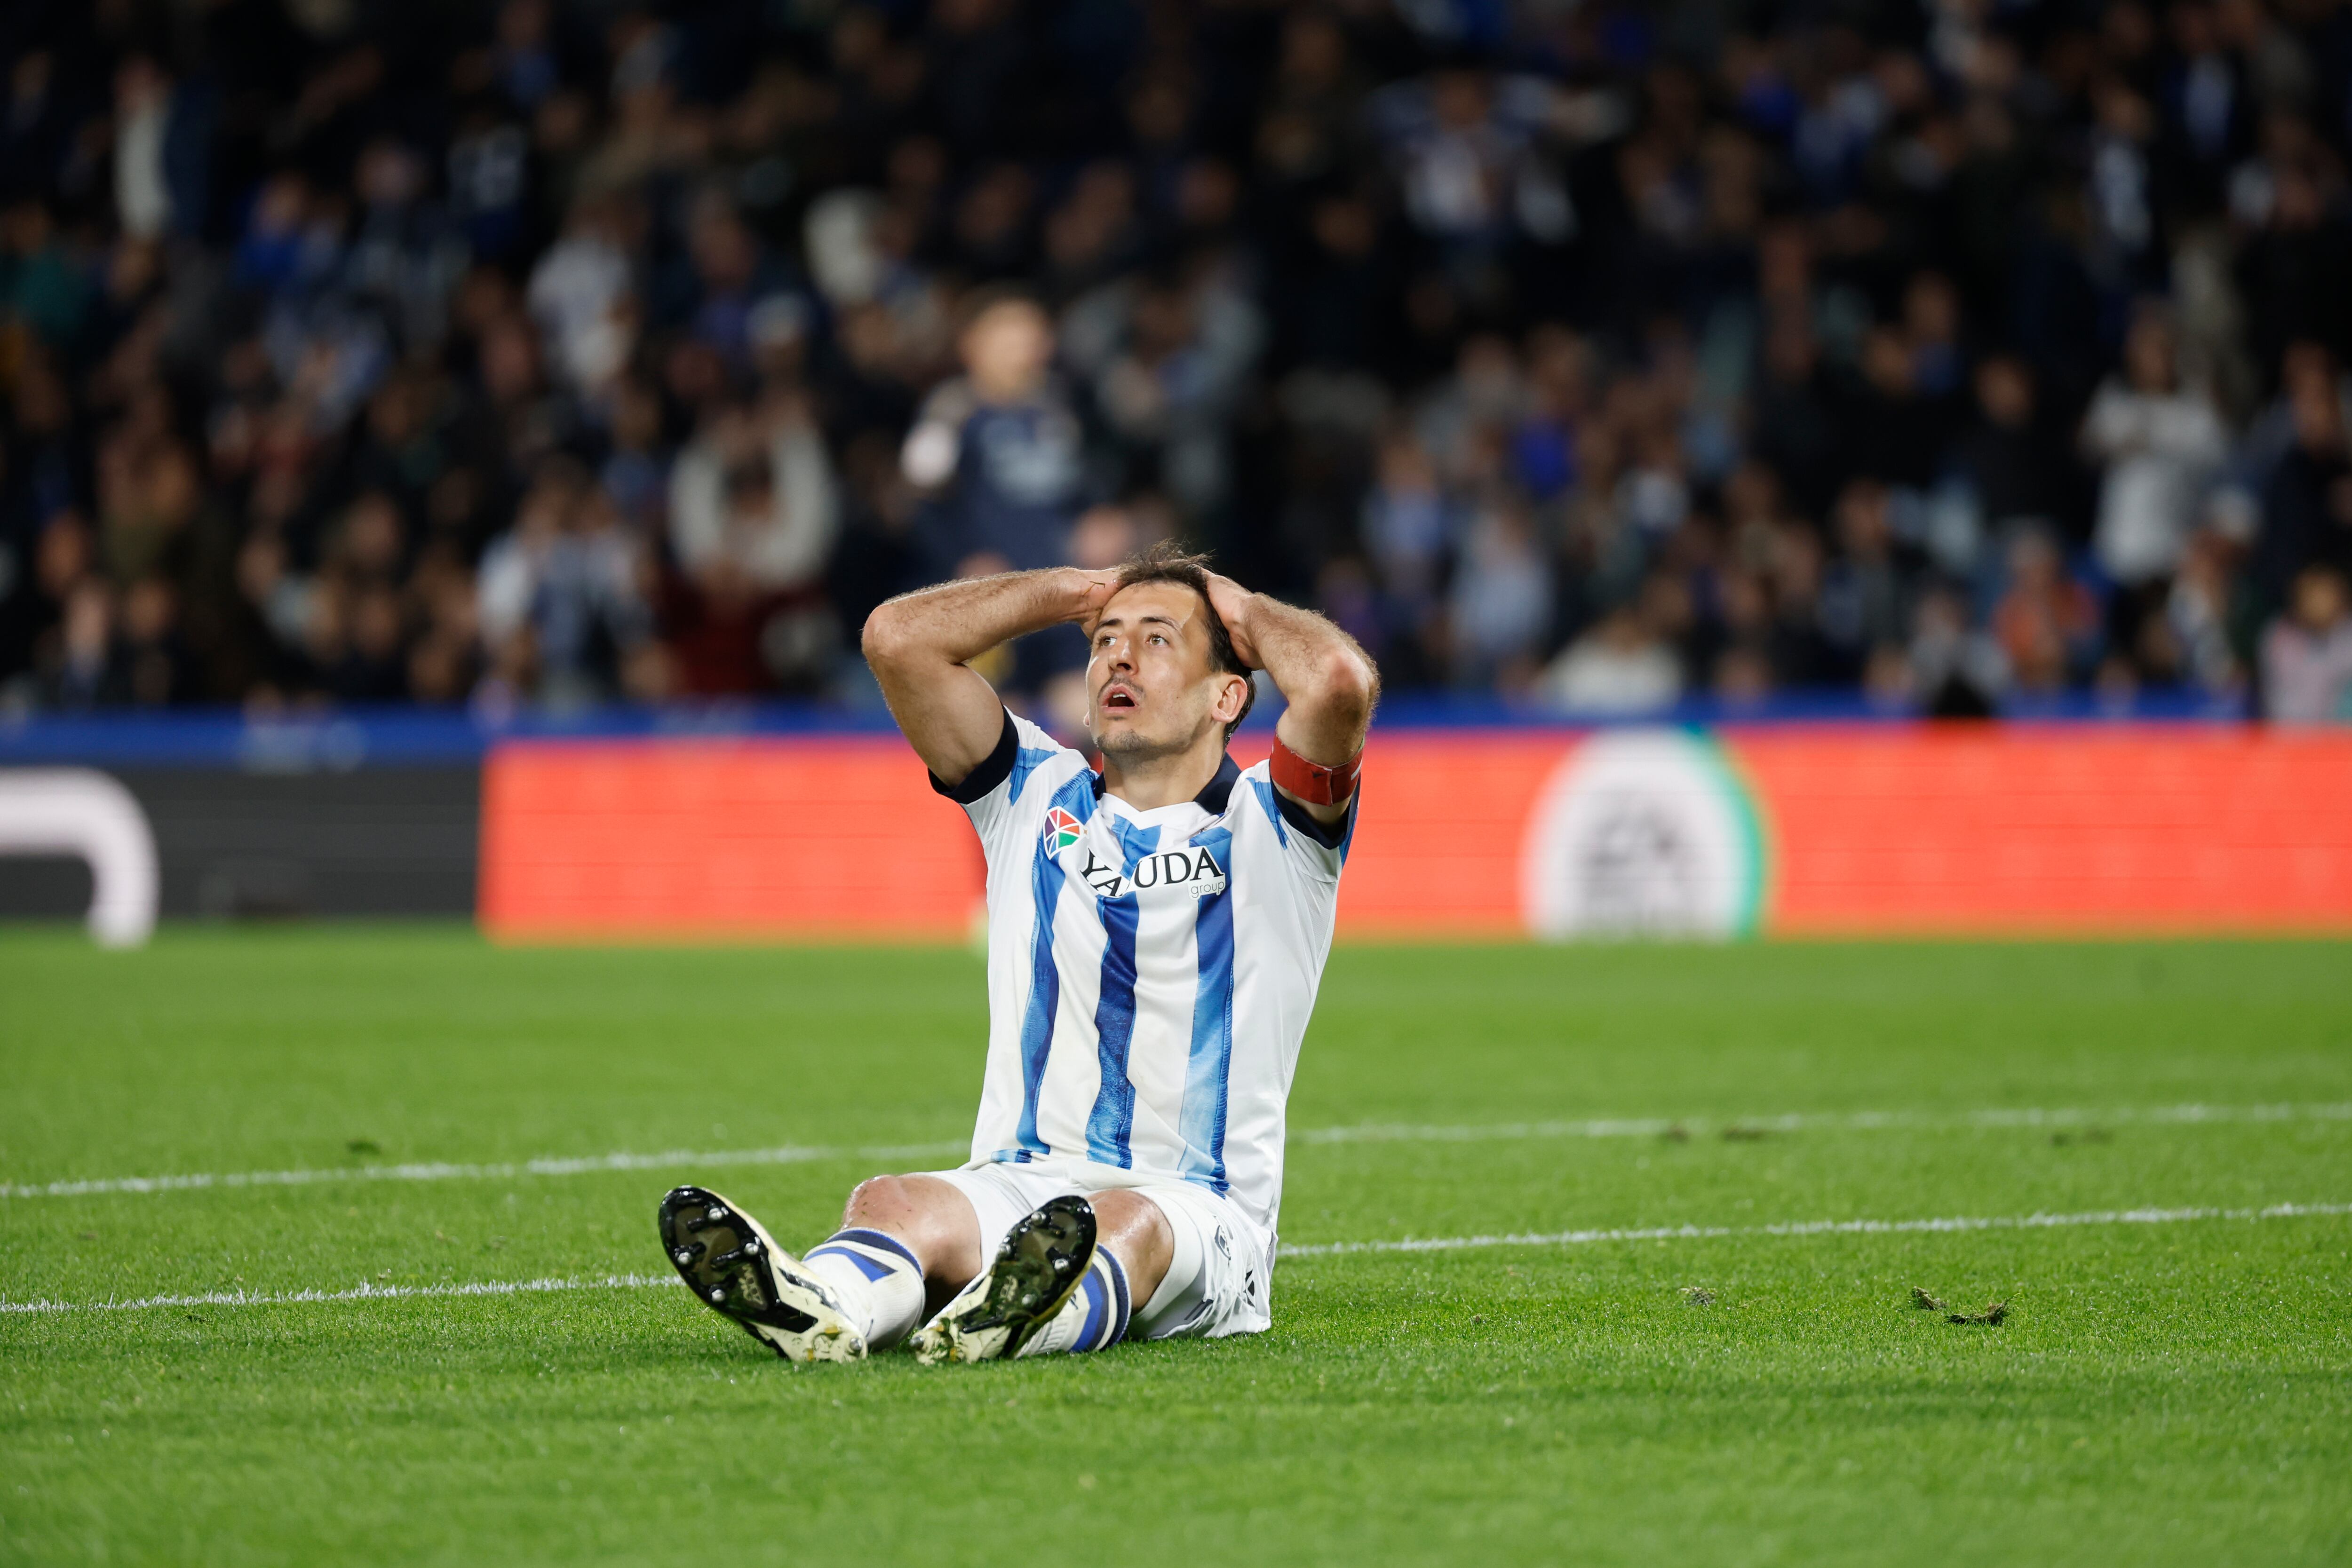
<point>1150,690</point>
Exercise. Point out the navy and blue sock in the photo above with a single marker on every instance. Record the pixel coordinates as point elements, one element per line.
<point>877,1278</point>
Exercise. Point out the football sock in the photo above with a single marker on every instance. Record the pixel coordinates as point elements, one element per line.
<point>1094,1318</point>
<point>878,1281</point>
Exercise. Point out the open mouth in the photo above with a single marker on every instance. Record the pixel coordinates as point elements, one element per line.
<point>1117,699</point>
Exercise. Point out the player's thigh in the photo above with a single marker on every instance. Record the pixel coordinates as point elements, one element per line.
<point>996,1197</point>
<point>1228,1289</point>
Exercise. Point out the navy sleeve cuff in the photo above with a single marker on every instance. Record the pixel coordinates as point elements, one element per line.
<point>988,774</point>
<point>1330,836</point>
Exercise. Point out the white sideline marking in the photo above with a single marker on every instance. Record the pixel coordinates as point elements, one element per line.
<point>367,1292</point>
<point>1380,1133</point>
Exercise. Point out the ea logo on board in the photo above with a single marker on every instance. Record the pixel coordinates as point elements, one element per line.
<point>1642,834</point>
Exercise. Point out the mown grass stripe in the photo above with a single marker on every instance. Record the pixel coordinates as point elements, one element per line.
<point>1796,1228</point>
<point>1370,1132</point>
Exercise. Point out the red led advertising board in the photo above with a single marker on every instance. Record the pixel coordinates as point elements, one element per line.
<point>1860,831</point>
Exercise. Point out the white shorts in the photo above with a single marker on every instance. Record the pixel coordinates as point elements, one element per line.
<point>1220,1280</point>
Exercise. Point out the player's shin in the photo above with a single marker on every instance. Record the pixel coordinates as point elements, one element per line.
<point>876,1277</point>
<point>1095,1317</point>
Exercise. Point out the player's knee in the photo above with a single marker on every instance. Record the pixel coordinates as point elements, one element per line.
<point>878,1199</point>
<point>906,1207</point>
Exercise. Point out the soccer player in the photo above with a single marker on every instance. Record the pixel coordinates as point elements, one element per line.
<point>1157,931</point>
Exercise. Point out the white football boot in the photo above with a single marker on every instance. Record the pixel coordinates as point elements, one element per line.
<point>736,1269</point>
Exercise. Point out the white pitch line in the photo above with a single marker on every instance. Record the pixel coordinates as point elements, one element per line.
<point>370,1292</point>
<point>363,1293</point>
<point>1376,1132</point>
<point>1827,1120</point>
<point>584,1164</point>
<point>1822,1228</point>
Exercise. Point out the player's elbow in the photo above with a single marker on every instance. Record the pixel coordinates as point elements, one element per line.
<point>885,640</point>
<point>1344,686</point>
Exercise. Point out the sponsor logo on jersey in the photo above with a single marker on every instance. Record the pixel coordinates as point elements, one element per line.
<point>1061,831</point>
<point>1192,871</point>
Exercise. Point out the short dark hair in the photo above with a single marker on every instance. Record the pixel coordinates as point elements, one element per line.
<point>1167,561</point>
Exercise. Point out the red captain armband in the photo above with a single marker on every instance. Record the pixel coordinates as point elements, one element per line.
<point>1311,781</point>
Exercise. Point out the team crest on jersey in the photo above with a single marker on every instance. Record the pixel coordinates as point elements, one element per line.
<point>1061,831</point>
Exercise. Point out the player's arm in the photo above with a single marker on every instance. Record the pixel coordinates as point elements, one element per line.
<point>1323,674</point>
<point>921,644</point>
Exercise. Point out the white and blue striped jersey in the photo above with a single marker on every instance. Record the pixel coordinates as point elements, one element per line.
<point>1149,973</point>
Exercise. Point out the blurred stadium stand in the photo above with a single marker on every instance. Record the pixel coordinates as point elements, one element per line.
<point>567,351</point>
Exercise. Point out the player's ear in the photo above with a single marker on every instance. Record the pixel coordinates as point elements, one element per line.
<point>1232,693</point>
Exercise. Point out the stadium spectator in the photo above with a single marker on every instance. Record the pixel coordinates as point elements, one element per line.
<point>2046,623</point>
<point>2013,476</point>
<point>2308,653</point>
<point>1861,601</point>
<point>2159,440</point>
<point>1164,358</point>
<point>560,596</point>
<point>1502,599</point>
<point>1618,667</point>
<point>999,453</point>
<point>753,513</point>
<point>999,450</point>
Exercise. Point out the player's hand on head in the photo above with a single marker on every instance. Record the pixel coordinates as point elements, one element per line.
<point>1095,589</point>
<point>1231,600</point>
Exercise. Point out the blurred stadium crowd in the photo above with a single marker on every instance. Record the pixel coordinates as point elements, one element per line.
<point>564,351</point>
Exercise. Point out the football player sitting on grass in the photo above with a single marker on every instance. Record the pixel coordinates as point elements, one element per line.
<point>1156,933</point>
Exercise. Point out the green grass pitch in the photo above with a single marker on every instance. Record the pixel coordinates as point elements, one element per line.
<point>2169,1389</point>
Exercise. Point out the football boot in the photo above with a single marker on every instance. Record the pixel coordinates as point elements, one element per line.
<point>1041,1261</point>
<point>737,1270</point>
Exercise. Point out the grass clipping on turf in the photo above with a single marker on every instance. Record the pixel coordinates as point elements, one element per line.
<point>1991,1317</point>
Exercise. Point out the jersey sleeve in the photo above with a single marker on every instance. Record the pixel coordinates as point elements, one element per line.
<point>1314,850</point>
<point>1006,796</point>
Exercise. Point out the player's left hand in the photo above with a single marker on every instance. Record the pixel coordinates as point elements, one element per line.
<point>1231,600</point>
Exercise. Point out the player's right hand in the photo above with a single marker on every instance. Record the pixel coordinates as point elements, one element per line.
<point>1094,589</point>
